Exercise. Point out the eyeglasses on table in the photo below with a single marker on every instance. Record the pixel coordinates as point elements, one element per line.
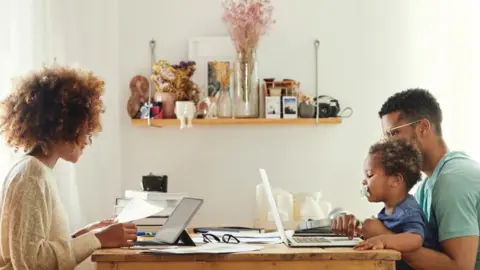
<point>226,238</point>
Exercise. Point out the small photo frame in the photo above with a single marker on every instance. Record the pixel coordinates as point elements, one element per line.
<point>213,87</point>
<point>273,108</point>
<point>290,107</point>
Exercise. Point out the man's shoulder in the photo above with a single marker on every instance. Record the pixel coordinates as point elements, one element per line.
<point>460,166</point>
<point>459,174</point>
<point>459,180</point>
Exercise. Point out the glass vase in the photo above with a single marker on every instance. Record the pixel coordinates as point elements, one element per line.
<point>224,104</point>
<point>246,86</point>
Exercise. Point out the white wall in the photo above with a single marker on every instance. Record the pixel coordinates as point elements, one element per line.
<point>90,41</point>
<point>369,50</point>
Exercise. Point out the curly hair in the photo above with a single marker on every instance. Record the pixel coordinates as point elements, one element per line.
<point>399,157</point>
<point>415,104</point>
<point>59,104</point>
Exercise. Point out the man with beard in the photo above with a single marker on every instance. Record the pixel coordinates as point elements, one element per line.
<point>449,195</point>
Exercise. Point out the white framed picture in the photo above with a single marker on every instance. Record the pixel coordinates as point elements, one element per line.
<point>205,50</point>
<point>290,107</point>
<point>273,108</point>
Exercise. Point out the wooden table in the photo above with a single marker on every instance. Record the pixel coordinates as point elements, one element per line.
<point>278,257</point>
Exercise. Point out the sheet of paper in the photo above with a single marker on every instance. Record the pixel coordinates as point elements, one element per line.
<point>208,248</point>
<point>252,235</point>
<point>150,247</point>
<point>137,209</point>
<point>199,240</point>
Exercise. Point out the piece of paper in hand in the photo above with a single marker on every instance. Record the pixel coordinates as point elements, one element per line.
<point>137,209</point>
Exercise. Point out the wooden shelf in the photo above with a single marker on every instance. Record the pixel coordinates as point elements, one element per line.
<point>251,121</point>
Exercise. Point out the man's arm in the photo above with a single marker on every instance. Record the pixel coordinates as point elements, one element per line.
<point>460,253</point>
<point>454,203</point>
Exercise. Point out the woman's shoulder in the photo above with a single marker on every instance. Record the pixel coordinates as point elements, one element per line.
<point>26,170</point>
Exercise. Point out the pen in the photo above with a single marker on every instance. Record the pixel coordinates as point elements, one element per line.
<point>145,234</point>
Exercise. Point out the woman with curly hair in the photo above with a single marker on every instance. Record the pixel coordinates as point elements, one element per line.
<point>51,114</point>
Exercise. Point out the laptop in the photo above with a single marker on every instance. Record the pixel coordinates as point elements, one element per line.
<point>173,231</point>
<point>301,241</point>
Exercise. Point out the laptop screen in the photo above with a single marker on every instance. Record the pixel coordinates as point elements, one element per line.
<point>273,206</point>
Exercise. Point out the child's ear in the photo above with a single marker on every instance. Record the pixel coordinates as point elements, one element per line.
<point>397,180</point>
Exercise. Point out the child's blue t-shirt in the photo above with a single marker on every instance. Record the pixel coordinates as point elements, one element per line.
<point>408,217</point>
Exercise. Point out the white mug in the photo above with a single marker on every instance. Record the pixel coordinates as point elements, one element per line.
<point>185,110</point>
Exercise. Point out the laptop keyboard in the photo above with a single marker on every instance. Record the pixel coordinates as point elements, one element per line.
<point>310,240</point>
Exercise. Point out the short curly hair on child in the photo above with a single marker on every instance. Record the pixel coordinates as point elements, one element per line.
<point>398,156</point>
<point>52,105</point>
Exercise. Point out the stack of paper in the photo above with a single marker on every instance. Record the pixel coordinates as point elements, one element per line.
<point>216,248</point>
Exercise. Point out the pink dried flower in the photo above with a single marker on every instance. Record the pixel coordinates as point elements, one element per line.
<point>247,21</point>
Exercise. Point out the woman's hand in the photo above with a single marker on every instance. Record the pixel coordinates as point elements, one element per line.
<point>117,235</point>
<point>99,224</point>
<point>94,226</point>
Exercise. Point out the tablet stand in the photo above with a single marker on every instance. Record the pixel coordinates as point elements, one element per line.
<point>184,240</point>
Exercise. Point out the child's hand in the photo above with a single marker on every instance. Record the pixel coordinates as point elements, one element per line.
<point>345,225</point>
<point>376,242</point>
<point>372,227</point>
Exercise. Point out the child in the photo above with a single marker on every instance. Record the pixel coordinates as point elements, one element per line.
<point>392,168</point>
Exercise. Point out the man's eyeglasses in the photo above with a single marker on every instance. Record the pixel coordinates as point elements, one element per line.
<point>394,131</point>
<point>226,238</point>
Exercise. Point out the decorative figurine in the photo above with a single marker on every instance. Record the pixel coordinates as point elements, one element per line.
<point>185,111</point>
<point>138,95</point>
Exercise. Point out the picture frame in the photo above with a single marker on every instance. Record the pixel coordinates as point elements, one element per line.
<point>205,50</point>
<point>213,84</point>
<point>290,107</point>
<point>273,107</point>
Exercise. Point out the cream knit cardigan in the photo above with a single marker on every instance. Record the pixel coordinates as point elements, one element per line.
<point>34,229</point>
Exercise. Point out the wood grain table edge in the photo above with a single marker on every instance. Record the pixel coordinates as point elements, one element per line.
<point>269,253</point>
<point>265,265</point>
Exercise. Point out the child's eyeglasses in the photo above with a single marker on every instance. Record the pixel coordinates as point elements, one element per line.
<point>226,238</point>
